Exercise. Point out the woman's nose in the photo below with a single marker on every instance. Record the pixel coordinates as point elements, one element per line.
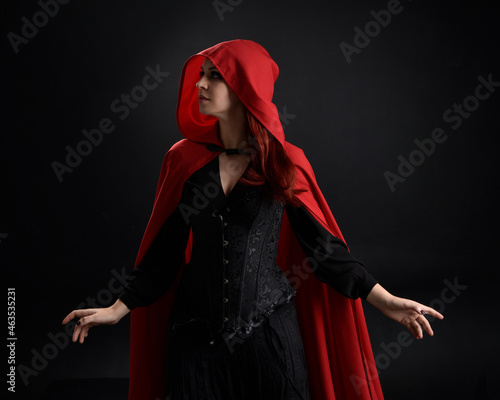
<point>202,83</point>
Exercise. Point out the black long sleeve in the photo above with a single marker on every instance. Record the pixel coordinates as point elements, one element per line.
<point>159,267</point>
<point>335,264</point>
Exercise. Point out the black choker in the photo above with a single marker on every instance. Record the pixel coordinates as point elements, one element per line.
<point>215,147</point>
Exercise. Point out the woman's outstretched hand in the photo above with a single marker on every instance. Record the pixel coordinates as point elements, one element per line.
<point>407,312</point>
<point>90,317</point>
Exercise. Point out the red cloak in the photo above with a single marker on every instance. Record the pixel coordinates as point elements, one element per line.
<point>338,352</point>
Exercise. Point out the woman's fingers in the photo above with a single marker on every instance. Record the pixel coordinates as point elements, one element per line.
<point>424,310</point>
<point>77,314</point>
<point>414,318</point>
<point>422,322</point>
<point>82,325</point>
<point>430,311</point>
<point>76,333</point>
<point>85,320</point>
<point>425,323</point>
<point>416,329</point>
<point>84,333</point>
<point>81,332</point>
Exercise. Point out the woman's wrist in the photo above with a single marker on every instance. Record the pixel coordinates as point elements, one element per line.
<point>120,309</point>
<point>379,297</point>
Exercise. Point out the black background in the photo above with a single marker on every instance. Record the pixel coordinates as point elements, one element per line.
<point>60,241</point>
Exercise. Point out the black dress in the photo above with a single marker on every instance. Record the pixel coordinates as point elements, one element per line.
<point>233,331</point>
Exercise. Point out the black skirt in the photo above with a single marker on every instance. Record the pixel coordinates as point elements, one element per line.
<point>269,363</point>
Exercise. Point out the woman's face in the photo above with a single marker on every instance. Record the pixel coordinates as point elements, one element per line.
<point>215,97</point>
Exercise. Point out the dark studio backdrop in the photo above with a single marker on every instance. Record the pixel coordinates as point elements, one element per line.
<point>395,104</point>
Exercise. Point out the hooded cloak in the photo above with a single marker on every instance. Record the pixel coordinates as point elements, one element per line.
<point>338,352</point>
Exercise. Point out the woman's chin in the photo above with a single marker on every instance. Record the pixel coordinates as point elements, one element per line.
<point>203,110</point>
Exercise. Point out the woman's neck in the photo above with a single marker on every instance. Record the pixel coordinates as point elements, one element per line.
<point>233,130</point>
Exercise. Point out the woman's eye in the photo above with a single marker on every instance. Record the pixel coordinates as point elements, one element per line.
<point>213,75</point>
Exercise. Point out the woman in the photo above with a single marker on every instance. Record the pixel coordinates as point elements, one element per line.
<point>243,283</point>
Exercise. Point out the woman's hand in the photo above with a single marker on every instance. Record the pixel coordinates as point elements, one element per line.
<point>95,316</point>
<point>407,312</point>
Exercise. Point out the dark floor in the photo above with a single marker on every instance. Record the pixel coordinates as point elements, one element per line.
<point>88,389</point>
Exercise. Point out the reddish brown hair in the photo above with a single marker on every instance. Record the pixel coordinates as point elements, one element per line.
<point>270,165</point>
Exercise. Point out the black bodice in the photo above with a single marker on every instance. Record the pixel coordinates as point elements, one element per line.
<point>232,280</point>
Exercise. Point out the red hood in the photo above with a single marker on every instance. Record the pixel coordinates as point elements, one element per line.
<point>249,71</point>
